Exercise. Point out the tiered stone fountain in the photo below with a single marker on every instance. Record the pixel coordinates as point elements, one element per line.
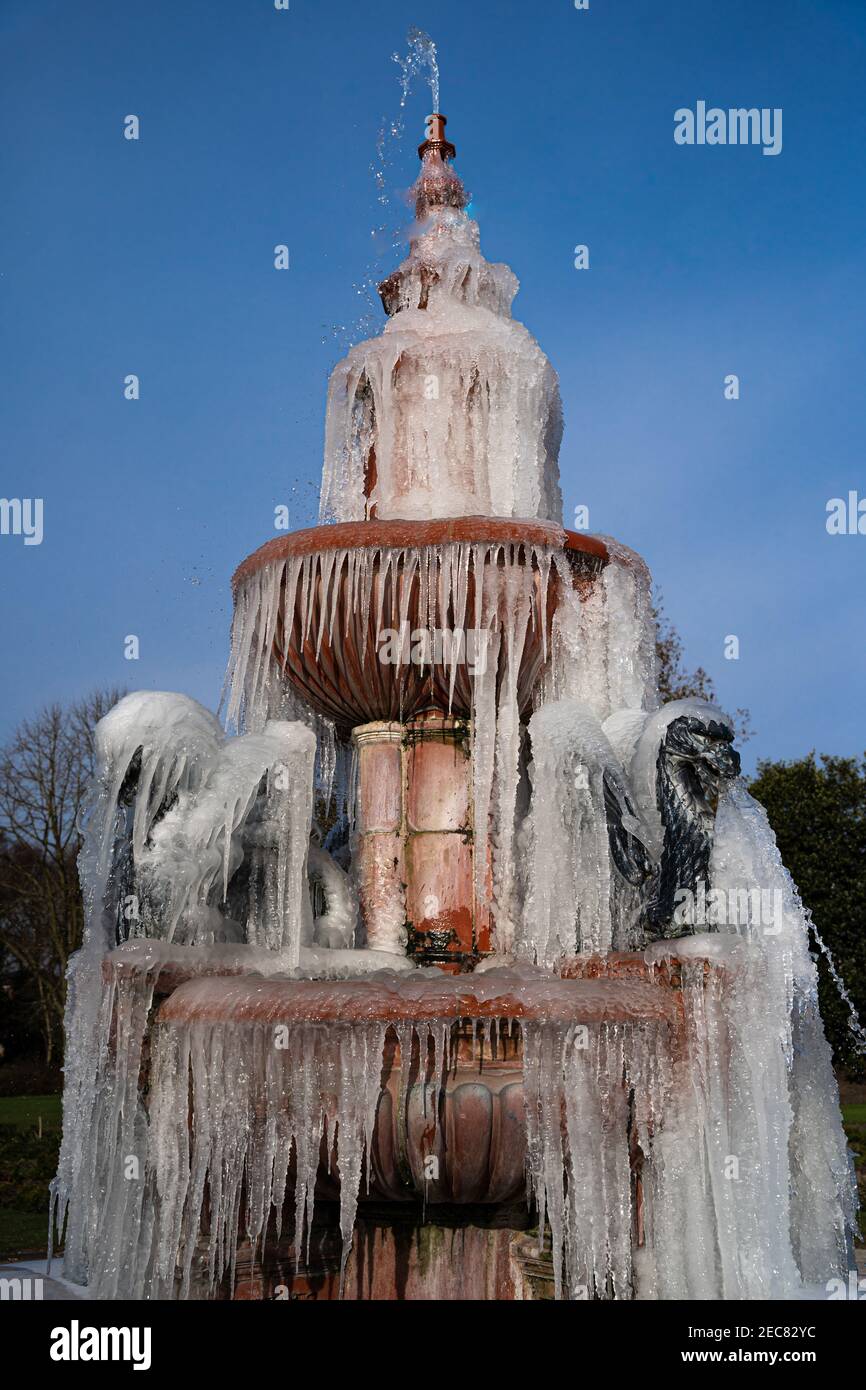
<point>483,1057</point>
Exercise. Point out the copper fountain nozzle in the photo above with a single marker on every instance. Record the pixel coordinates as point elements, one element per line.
<point>434,130</point>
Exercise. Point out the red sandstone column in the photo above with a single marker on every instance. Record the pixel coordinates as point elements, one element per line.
<point>443,925</point>
<point>377,848</point>
<point>413,844</point>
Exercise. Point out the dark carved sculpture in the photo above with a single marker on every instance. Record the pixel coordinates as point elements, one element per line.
<point>627,849</point>
<point>696,756</point>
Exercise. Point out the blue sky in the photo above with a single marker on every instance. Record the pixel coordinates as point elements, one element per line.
<point>259,127</point>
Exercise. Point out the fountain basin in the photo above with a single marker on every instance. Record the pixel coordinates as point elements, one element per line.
<point>452,1061</point>
<point>450,1116</point>
<point>337,589</point>
<point>437,1079</point>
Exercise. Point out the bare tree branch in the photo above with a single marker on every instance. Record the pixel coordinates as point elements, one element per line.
<point>45,767</point>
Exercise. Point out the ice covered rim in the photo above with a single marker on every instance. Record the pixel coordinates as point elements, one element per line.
<point>447,998</point>
<point>399,534</point>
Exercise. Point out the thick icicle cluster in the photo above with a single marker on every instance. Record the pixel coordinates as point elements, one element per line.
<point>787,1029</point>
<point>260,1105</point>
<point>707,1162</point>
<point>174,810</point>
<point>603,641</point>
<point>589,1092</point>
<point>742,1199</point>
<point>747,1188</point>
<point>573,899</point>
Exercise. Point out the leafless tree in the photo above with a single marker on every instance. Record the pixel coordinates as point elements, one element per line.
<point>44,770</point>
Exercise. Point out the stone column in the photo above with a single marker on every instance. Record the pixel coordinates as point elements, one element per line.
<point>440,902</point>
<point>413,845</point>
<point>377,843</point>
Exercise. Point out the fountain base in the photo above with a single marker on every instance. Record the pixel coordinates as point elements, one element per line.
<point>403,1112</point>
<point>450,1254</point>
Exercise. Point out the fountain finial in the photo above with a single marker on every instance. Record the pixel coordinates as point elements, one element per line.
<point>434,132</point>
<point>437,184</point>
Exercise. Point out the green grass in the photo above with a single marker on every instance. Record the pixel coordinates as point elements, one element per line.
<point>27,1164</point>
<point>23,1112</point>
<point>22,1233</point>
<point>851,1114</point>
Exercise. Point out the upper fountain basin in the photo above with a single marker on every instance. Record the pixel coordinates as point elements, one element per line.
<point>378,620</point>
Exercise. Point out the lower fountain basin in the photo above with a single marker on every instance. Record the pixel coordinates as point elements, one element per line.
<point>450,1122</point>
<point>375,1113</point>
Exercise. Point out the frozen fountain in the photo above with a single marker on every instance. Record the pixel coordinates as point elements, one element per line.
<point>461,969</point>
